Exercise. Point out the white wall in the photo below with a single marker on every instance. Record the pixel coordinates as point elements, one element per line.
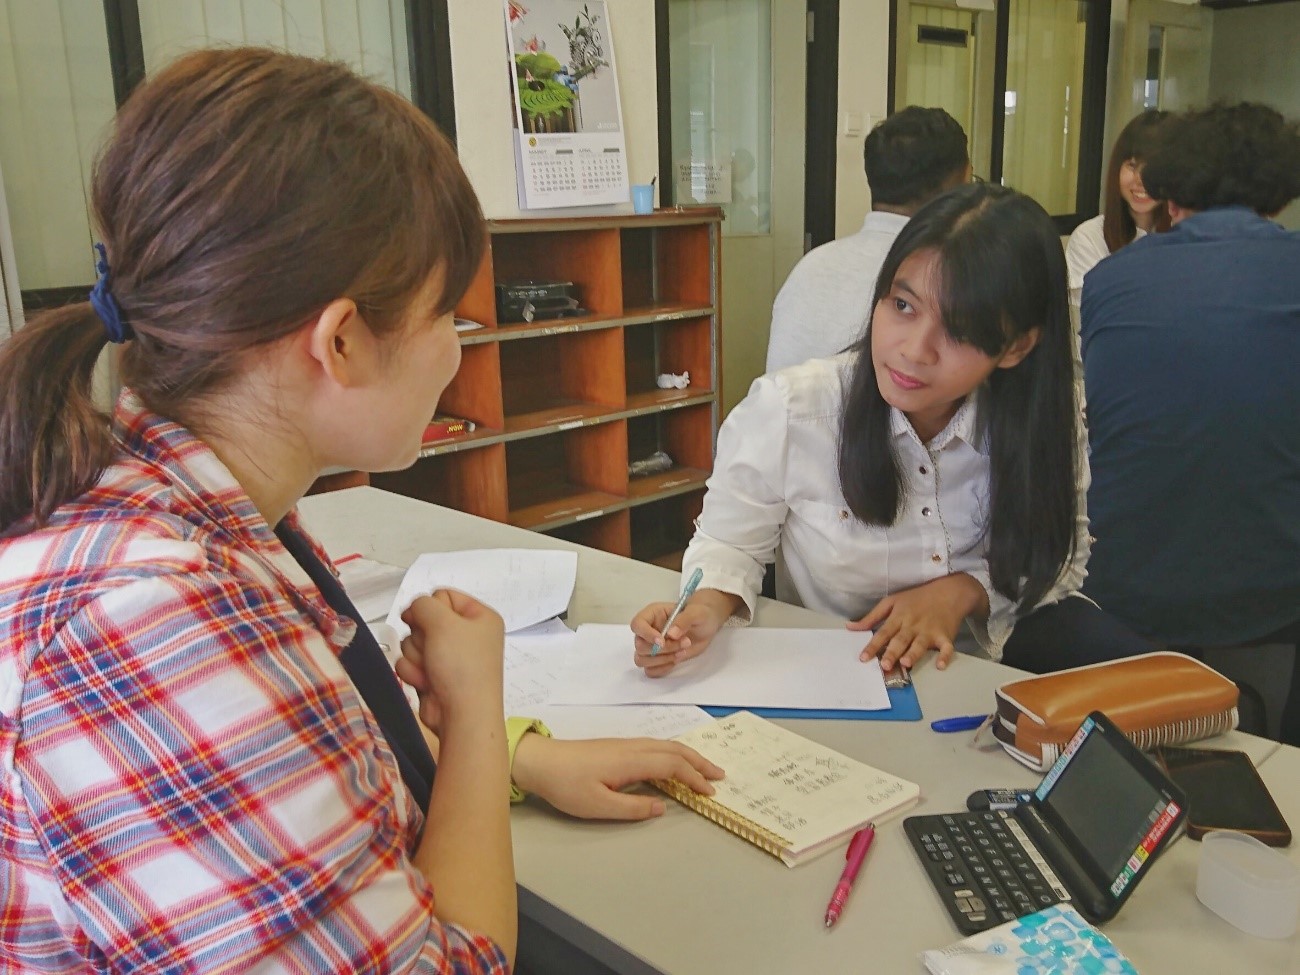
<point>864,90</point>
<point>482,76</point>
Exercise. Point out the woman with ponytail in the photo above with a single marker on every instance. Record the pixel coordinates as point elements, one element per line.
<point>208,764</point>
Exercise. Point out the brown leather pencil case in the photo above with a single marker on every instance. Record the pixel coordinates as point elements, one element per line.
<point>1160,698</point>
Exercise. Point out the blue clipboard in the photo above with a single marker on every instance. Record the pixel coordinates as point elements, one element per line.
<point>903,706</point>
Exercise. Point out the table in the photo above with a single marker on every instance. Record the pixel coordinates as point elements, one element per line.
<point>678,895</point>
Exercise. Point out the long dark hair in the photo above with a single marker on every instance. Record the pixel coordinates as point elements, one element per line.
<point>1001,273</point>
<point>241,192</point>
<point>1135,141</point>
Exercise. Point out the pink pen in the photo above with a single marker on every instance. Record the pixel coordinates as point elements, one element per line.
<point>857,853</point>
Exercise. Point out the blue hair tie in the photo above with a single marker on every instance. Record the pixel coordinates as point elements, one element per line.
<point>105,305</point>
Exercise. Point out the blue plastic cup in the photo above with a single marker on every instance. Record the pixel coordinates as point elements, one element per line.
<point>643,197</point>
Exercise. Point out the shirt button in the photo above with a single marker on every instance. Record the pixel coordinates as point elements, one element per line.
<point>844,515</point>
<point>926,512</point>
<point>936,557</point>
<point>924,469</point>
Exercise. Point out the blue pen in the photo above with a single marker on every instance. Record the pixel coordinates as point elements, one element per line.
<point>967,722</point>
<point>689,591</point>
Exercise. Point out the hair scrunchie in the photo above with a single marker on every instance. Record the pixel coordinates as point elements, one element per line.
<point>105,305</point>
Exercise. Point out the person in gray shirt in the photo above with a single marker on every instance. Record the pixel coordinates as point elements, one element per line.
<point>911,157</point>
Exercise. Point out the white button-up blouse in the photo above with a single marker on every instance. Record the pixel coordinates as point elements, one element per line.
<point>775,485</point>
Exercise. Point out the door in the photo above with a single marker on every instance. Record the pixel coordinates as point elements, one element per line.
<point>1166,57</point>
<point>736,106</point>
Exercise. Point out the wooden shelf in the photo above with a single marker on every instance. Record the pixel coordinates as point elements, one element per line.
<point>560,406</point>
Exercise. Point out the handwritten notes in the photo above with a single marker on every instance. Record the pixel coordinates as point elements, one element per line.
<point>525,586</point>
<point>752,667</point>
<point>534,659</point>
<point>809,795</point>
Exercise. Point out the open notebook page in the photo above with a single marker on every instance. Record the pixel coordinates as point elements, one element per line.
<point>811,796</point>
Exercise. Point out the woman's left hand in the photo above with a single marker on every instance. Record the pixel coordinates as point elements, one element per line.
<point>912,622</point>
<point>583,778</point>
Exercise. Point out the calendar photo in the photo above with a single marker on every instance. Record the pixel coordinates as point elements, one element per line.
<point>570,148</point>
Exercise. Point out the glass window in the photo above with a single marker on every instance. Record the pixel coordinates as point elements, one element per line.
<point>1155,59</point>
<point>369,35</point>
<point>56,101</point>
<point>721,76</point>
<point>1044,101</point>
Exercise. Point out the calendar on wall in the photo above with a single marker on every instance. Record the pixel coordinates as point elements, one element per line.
<point>569,143</point>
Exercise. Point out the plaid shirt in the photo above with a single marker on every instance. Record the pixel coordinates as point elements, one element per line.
<point>190,782</point>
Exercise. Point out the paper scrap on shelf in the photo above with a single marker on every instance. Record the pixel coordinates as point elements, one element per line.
<point>670,380</point>
<point>534,659</point>
<point>370,585</point>
<point>525,586</point>
<point>743,667</point>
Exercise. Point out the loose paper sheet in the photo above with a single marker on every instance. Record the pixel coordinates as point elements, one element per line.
<point>534,659</point>
<point>750,667</point>
<point>370,585</point>
<point>525,586</point>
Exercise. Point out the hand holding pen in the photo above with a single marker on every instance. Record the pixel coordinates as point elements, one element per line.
<point>668,634</point>
<point>687,592</point>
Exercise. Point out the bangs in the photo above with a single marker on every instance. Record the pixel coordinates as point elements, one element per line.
<point>972,288</point>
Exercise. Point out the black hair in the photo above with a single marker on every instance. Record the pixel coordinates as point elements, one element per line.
<point>911,155</point>
<point>1001,273</point>
<point>1226,155</point>
<point>1134,142</point>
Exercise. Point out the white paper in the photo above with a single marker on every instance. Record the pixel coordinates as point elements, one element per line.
<point>749,668</point>
<point>534,659</point>
<point>623,721</point>
<point>370,585</point>
<point>525,586</point>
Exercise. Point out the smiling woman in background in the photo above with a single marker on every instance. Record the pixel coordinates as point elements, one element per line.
<point>1129,212</point>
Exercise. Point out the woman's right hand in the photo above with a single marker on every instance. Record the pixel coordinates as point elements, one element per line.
<point>453,657</point>
<point>688,637</point>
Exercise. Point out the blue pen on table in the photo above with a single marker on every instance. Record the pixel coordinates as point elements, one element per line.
<point>687,593</point>
<point>966,722</point>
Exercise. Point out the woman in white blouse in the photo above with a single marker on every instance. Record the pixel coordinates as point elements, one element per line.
<point>1129,211</point>
<point>928,478</point>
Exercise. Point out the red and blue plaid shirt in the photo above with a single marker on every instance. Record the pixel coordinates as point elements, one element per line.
<point>189,781</point>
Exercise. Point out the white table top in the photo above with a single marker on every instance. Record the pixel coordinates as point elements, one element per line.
<point>680,895</point>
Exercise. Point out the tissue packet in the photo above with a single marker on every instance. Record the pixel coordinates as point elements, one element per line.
<point>1055,941</point>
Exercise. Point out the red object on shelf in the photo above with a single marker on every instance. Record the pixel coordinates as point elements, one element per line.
<point>445,427</point>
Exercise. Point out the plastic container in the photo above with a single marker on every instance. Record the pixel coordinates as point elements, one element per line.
<point>1249,885</point>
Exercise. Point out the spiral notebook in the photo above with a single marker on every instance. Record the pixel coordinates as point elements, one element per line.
<point>787,795</point>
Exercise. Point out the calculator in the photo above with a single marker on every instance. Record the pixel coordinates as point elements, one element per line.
<point>1087,835</point>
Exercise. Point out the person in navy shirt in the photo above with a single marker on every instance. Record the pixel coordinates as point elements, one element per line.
<point>1191,343</point>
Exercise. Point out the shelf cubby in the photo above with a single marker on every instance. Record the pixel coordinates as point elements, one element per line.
<point>674,432</point>
<point>475,391</point>
<point>589,259</point>
<point>674,347</point>
<point>470,480</point>
<point>566,477</point>
<point>561,378</point>
<point>610,532</point>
